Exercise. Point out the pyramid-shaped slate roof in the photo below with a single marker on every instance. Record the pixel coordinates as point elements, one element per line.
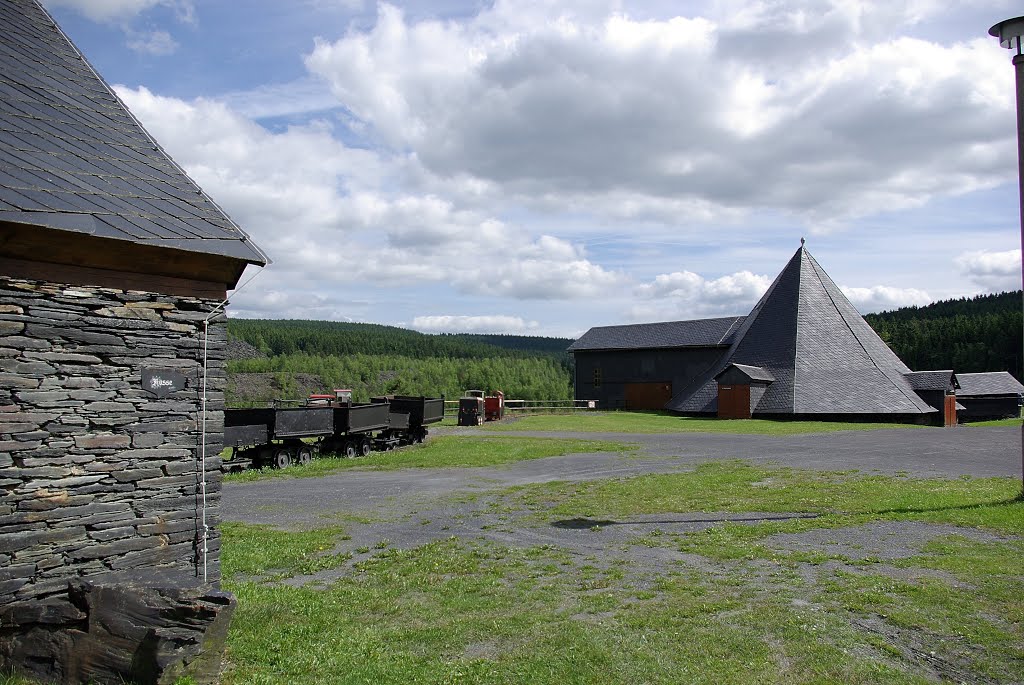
<point>823,355</point>
<point>72,158</point>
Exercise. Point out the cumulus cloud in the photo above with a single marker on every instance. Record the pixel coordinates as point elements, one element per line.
<point>330,215</point>
<point>477,146</point>
<point>590,103</point>
<point>283,184</point>
<point>473,324</point>
<point>993,271</point>
<point>687,295</point>
<point>881,298</point>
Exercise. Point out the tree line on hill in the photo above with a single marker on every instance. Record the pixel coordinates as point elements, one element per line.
<point>967,335</point>
<point>981,333</point>
<point>372,359</point>
<point>291,336</point>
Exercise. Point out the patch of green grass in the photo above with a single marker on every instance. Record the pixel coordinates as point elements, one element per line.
<point>442,452</point>
<point>975,622</point>
<point>15,679</point>
<point>248,551</point>
<point>454,611</point>
<point>736,486</point>
<point>996,422</point>
<point>663,422</point>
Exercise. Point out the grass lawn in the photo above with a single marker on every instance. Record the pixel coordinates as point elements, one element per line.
<point>441,452</point>
<point>734,608</point>
<point>663,422</point>
<point>997,422</point>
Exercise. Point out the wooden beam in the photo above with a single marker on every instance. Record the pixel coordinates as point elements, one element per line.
<point>106,278</point>
<point>42,244</point>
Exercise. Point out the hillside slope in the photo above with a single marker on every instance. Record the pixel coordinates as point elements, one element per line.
<point>287,359</point>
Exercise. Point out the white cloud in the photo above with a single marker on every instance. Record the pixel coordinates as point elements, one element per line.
<point>153,43</point>
<point>686,295</point>
<point>881,298</point>
<point>993,271</point>
<point>122,10</point>
<point>473,324</point>
<point>482,153</point>
<point>331,216</point>
<point>587,104</point>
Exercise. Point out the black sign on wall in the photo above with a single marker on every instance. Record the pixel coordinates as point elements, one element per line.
<point>162,382</point>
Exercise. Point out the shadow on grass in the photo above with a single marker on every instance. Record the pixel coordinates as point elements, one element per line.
<point>958,507</point>
<point>586,524</point>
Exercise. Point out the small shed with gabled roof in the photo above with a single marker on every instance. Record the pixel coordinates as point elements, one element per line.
<point>114,270</point>
<point>939,390</point>
<point>740,389</point>
<point>992,395</point>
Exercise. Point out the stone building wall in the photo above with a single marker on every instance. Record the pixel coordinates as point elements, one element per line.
<point>100,478</point>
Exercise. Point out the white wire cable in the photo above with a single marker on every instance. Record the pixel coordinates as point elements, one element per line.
<point>202,437</point>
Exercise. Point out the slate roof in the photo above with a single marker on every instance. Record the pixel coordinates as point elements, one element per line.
<point>932,380</point>
<point>668,334</point>
<point>72,158</point>
<point>987,384</point>
<point>824,357</point>
<point>754,373</point>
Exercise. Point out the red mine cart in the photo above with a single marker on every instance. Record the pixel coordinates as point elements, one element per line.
<point>494,406</point>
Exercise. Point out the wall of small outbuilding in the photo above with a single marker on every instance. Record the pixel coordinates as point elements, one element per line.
<point>621,367</point>
<point>99,478</point>
<point>983,408</point>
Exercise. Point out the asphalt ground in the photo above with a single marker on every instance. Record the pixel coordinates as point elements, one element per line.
<point>926,452</point>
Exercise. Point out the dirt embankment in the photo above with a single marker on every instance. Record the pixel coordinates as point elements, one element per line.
<point>258,389</point>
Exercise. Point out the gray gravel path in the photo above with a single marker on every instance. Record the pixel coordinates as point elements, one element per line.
<point>952,452</point>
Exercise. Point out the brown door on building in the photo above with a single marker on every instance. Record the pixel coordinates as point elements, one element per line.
<point>950,410</point>
<point>733,401</point>
<point>648,395</point>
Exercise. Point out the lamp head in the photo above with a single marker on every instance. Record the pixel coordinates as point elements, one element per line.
<point>1009,32</point>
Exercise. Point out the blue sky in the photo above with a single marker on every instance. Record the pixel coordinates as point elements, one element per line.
<point>540,167</point>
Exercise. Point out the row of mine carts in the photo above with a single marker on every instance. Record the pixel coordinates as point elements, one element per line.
<point>326,424</point>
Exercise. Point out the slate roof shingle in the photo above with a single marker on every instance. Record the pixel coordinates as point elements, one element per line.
<point>932,380</point>
<point>754,373</point>
<point>988,384</point>
<point>72,158</point>
<point>668,334</point>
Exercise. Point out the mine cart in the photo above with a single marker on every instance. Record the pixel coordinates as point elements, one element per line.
<point>494,406</point>
<point>408,418</point>
<point>471,411</point>
<point>275,436</point>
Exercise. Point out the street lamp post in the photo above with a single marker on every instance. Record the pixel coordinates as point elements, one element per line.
<point>1009,32</point>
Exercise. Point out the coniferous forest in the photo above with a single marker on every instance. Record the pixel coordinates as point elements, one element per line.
<point>968,335</point>
<point>981,333</point>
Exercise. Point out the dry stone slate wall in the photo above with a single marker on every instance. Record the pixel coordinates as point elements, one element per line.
<point>100,479</point>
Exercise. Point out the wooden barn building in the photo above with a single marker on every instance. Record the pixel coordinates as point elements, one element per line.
<point>803,351</point>
<point>992,395</point>
<point>114,269</point>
